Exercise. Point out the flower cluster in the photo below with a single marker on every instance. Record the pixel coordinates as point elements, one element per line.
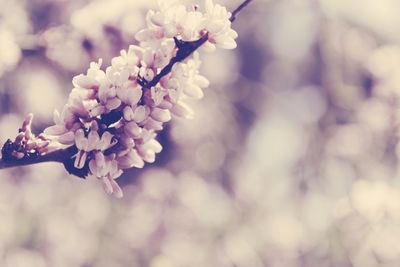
<point>175,21</point>
<point>112,117</point>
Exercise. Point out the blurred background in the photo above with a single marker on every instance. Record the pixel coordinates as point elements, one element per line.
<point>292,159</point>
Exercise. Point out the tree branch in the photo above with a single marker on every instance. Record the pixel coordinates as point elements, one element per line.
<point>185,49</point>
<point>61,155</point>
<point>238,9</point>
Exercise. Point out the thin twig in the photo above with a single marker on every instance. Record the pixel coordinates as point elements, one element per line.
<point>60,155</point>
<point>238,9</point>
<point>185,49</point>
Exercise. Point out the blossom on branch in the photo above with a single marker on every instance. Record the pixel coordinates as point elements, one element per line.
<point>112,116</point>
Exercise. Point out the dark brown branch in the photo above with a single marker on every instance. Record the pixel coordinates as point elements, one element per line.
<point>61,155</point>
<point>238,9</point>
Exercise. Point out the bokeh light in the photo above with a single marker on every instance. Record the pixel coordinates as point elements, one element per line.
<point>292,159</point>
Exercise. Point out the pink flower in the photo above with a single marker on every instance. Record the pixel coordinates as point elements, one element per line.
<point>65,124</point>
<point>92,79</point>
<point>90,143</point>
<point>113,116</point>
<point>106,169</point>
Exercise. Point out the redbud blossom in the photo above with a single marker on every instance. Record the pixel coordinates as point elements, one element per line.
<point>112,117</point>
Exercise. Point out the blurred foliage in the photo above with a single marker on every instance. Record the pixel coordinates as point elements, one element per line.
<point>292,159</point>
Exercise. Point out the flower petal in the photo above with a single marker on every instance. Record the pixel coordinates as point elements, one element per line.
<point>161,115</point>
<point>117,191</point>
<point>107,185</point>
<point>93,140</point>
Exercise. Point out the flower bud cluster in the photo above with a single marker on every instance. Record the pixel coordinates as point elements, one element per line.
<point>112,117</point>
<point>26,144</point>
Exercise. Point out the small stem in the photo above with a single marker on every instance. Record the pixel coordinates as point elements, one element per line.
<point>238,9</point>
<point>60,155</point>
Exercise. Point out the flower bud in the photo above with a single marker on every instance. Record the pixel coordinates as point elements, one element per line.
<point>161,115</point>
<point>152,124</point>
<point>133,130</point>
<point>194,91</point>
<point>182,110</point>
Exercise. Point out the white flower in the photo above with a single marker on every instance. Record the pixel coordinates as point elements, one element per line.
<point>108,99</point>
<point>129,93</point>
<point>164,54</point>
<point>127,60</point>
<point>158,94</point>
<point>64,128</point>
<point>186,79</point>
<point>90,143</point>
<point>78,106</point>
<point>216,22</point>
<point>117,76</point>
<point>130,158</point>
<point>26,142</point>
<point>92,79</point>
<point>152,124</point>
<point>132,129</point>
<point>106,169</point>
<point>141,113</point>
<point>149,149</point>
<point>181,109</point>
<point>161,115</point>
